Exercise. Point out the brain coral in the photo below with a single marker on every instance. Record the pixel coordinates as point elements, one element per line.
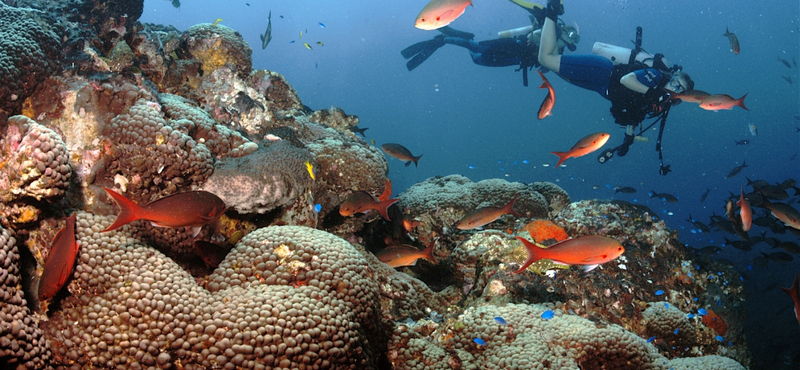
<point>216,46</point>
<point>29,53</point>
<point>284,297</point>
<point>22,343</point>
<point>665,321</point>
<point>154,158</point>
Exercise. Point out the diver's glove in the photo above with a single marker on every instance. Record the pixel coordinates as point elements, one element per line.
<point>554,9</point>
<point>658,99</point>
<point>623,149</point>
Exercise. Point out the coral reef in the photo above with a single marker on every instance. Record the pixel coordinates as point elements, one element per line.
<point>215,46</point>
<point>29,53</point>
<point>34,167</point>
<point>22,343</point>
<point>287,297</point>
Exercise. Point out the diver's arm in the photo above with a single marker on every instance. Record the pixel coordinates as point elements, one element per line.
<point>631,82</point>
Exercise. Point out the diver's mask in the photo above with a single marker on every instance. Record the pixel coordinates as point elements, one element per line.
<point>677,84</point>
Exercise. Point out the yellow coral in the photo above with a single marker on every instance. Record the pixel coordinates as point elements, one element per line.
<point>212,56</point>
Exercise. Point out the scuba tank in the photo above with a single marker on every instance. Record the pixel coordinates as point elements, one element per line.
<point>621,55</point>
<point>514,32</point>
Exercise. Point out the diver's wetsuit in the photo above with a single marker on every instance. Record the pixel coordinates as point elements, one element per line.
<point>499,52</point>
<point>593,72</point>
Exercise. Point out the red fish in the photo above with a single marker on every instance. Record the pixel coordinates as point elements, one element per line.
<point>745,212</point>
<point>588,251</point>
<point>722,101</point>
<point>439,13</point>
<point>794,292</point>
<point>485,215</point>
<point>783,212</point>
<point>387,191</point>
<point>361,201</point>
<point>60,261</point>
<point>691,96</point>
<point>190,209</point>
<point>405,255</point>
<point>583,147</point>
<point>733,40</point>
<point>549,101</point>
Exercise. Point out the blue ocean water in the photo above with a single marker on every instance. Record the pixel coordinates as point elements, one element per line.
<point>481,122</point>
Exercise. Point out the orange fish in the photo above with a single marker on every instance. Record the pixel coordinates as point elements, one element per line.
<point>400,152</point>
<point>745,212</point>
<point>794,292</point>
<point>733,40</point>
<point>722,101</point>
<point>361,201</point>
<point>485,215</point>
<point>439,13</point>
<point>583,147</point>
<point>546,109</point>
<point>60,261</point>
<point>190,209</point>
<point>409,223</point>
<point>691,96</point>
<point>588,251</point>
<point>405,255</point>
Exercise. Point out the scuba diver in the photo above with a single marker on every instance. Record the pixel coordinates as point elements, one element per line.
<point>518,46</point>
<point>639,85</point>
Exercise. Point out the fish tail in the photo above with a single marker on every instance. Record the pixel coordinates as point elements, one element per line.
<point>383,207</point>
<point>415,159</point>
<point>509,208</point>
<point>128,210</point>
<point>428,253</point>
<point>562,156</point>
<point>740,102</point>
<point>534,254</point>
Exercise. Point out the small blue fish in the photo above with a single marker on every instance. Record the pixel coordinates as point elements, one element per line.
<point>471,167</point>
<point>702,312</point>
<point>659,292</point>
<point>525,161</point>
<point>480,342</point>
<point>666,304</point>
<point>719,338</point>
<point>321,25</point>
<point>291,42</point>
<point>651,339</point>
<point>500,320</point>
<point>719,302</point>
<point>677,330</point>
<point>317,207</point>
<point>547,315</point>
<point>691,315</point>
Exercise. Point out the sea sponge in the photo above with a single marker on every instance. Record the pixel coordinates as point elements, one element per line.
<point>541,230</point>
<point>284,297</point>
<point>714,321</point>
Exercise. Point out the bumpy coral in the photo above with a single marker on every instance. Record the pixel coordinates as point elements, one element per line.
<point>216,46</point>
<point>34,164</point>
<point>335,118</point>
<point>29,53</point>
<point>346,166</point>
<point>284,297</point>
<point>221,140</point>
<point>441,201</point>
<point>557,198</point>
<point>22,343</point>
<point>273,176</point>
<point>666,322</point>
<point>712,362</point>
<point>153,158</point>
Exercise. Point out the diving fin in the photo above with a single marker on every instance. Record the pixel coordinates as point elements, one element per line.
<point>449,31</point>
<point>527,5</point>
<point>421,51</point>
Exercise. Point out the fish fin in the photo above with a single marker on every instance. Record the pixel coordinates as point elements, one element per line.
<point>740,102</point>
<point>383,207</point>
<point>196,230</point>
<point>128,210</point>
<point>587,268</point>
<point>562,156</point>
<point>428,253</point>
<point>416,159</point>
<point>534,254</point>
<point>509,208</point>
<point>262,37</point>
<point>387,191</point>
<point>408,163</point>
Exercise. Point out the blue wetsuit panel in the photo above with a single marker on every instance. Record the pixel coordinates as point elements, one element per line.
<point>590,72</point>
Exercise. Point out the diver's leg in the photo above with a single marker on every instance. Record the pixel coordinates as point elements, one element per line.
<point>548,46</point>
